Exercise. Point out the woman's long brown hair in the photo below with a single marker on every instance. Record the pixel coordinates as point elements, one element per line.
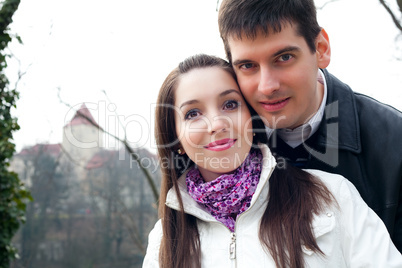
<point>294,195</point>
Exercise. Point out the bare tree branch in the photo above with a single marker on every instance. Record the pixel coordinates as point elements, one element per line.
<point>132,227</point>
<point>70,157</point>
<point>20,72</point>
<point>117,116</point>
<point>394,19</point>
<point>126,145</point>
<point>399,2</point>
<point>326,3</point>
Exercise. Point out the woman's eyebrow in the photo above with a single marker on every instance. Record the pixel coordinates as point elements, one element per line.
<point>227,92</point>
<point>222,94</point>
<point>188,103</point>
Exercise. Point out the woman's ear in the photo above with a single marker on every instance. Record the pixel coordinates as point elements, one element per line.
<point>181,151</point>
<point>323,49</point>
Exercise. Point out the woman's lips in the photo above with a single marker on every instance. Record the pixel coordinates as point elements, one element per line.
<point>220,145</point>
<point>274,106</point>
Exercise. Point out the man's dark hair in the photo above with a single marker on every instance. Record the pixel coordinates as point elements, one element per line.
<point>247,18</point>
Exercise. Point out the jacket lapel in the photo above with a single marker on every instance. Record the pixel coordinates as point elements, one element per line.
<point>341,115</point>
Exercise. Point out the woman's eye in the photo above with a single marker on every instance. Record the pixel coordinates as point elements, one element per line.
<point>191,114</point>
<point>285,57</point>
<point>231,105</point>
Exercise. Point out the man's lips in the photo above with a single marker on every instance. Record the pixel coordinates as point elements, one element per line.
<point>220,145</point>
<point>273,106</point>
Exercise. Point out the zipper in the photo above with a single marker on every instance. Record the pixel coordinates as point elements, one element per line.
<point>232,247</point>
<point>257,196</point>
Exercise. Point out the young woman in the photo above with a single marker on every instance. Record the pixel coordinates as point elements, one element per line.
<point>225,202</point>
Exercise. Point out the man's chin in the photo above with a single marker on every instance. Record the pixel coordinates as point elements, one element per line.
<point>276,122</point>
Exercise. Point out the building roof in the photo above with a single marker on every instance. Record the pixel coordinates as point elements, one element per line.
<point>52,149</point>
<point>83,117</point>
<point>107,157</point>
<point>100,159</point>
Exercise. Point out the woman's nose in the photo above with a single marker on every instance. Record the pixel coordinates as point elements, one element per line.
<point>218,124</point>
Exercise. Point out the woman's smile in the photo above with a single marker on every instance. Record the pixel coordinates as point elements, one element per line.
<point>220,145</point>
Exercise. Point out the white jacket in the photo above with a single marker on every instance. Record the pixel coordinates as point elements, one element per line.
<point>352,236</point>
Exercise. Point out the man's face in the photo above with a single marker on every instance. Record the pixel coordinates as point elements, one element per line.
<point>277,75</point>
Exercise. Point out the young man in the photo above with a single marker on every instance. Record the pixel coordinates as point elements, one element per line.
<point>279,53</point>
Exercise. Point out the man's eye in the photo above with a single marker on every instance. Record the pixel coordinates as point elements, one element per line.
<point>246,66</point>
<point>285,57</point>
<point>191,114</point>
<point>231,105</point>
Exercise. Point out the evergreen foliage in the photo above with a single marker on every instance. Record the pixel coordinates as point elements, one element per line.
<point>13,195</point>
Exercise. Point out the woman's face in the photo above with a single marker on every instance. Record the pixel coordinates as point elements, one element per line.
<point>213,123</point>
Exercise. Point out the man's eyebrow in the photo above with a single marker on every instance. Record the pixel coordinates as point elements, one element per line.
<point>240,62</point>
<point>279,52</point>
<point>286,49</point>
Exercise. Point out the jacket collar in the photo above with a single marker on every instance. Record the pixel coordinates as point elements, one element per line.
<point>341,110</point>
<point>193,208</point>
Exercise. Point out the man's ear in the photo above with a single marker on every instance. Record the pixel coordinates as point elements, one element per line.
<point>323,49</point>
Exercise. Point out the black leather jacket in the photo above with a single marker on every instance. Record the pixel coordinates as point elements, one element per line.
<point>361,139</point>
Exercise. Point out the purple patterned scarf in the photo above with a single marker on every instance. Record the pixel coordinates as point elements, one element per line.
<point>229,195</point>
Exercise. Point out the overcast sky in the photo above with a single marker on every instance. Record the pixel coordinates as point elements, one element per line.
<point>127,48</point>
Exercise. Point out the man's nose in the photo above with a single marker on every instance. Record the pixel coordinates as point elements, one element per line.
<point>269,81</point>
